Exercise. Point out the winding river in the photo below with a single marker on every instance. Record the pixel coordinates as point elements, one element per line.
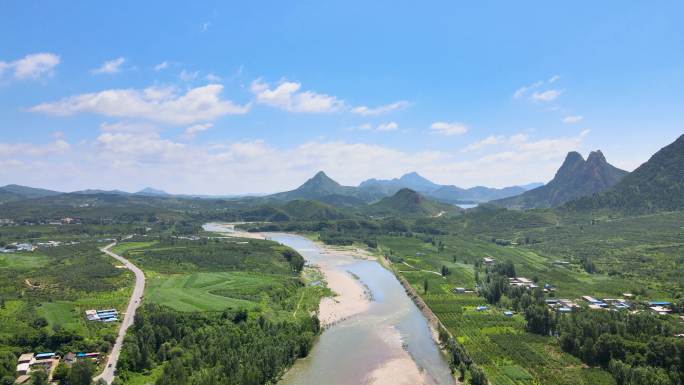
<point>389,342</point>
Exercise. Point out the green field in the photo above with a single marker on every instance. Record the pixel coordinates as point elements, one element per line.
<point>123,247</point>
<point>639,255</point>
<point>499,344</point>
<point>209,291</point>
<point>235,273</point>
<point>23,261</point>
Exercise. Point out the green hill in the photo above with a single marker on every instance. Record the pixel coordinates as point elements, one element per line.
<point>657,185</point>
<point>323,189</point>
<point>407,202</point>
<point>297,209</point>
<point>14,192</point>
<point>574,179</point>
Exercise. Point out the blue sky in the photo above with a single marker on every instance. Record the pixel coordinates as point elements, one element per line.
<point>237,97</point>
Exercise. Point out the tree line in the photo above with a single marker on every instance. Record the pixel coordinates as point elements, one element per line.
<point>231,347</point>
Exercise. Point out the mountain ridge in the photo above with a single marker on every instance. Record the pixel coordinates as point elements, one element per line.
<point>443,193</point>
<point>656,185</point>
<point>575,178</point>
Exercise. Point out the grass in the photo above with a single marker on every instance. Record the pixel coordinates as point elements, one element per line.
<point>145,378</point>
<point>200,276</point>
<point>205,291</point>
<point>23,261</point>
<point>122,247</point>
<point>63,314</point>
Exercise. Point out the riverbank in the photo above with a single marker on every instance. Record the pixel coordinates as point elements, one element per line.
<point>433,321</point>
<point>351,296</point>
<point>382,341</point>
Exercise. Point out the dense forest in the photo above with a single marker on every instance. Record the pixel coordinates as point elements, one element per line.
<point>231,347</point>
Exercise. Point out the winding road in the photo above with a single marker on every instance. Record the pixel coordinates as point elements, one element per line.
<point>108,373</point>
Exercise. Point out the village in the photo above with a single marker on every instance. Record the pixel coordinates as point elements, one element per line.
<point>627,301</point>
<point>48,362</point>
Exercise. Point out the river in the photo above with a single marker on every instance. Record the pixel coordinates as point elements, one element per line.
<point>389,342</point>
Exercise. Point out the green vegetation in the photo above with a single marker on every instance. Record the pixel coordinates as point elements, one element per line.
<point>240,310</point>
<point>173,255</point>
<point>576,254</point>
<point>216,292</point>
<point>407,202</point>
<point>230,347</point>
<point>43,296</point>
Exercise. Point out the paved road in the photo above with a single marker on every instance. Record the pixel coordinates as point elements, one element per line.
<point>113,358</point>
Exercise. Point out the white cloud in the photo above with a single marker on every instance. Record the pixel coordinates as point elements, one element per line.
<point>31,66</point>
<point>546,96</point>
<point>382,127</point>
<point>110,66</point>
<point>449,128</point>
<point>205,26</point>
<point>369,111</point>
<point>192,131</point>
<point>522,91</point>
<point>188,76</point>
<point>213,78</point>
<point>573,119</point>
<point>126,159</point>
<point>161,66</point>
<point>389,126</point>
<point>153,103</point>
<point>488,141</point>
<point>288,96</point>
<point>129,127</point>
<point>59,146</point>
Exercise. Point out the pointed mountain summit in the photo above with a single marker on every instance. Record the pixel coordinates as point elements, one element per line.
<point>322,188</point>
<point>412,180</point>
<point>657,185</point>
<point>574,179</point>
<point>321,184</point>
<point>418,182</point>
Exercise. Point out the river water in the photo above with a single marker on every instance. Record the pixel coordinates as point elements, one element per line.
<point>351,351</point>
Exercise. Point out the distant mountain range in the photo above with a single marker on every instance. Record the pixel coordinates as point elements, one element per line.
<point>13,192</point>
<point>579,184</point>
<point>324,189</point>
<point>575,178</point>
<point>152,192</point>
<point>657,185</point>
<point>443,193</point>
<point>320,187</point>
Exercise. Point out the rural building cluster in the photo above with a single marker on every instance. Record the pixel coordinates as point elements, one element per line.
<point>47,362</point>
<point>109,315</point>
<point>564,305</point>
